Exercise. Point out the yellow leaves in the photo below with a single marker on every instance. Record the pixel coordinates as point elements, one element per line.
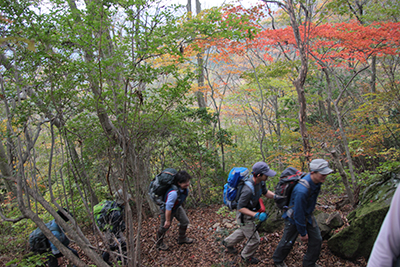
<point>17,40</point>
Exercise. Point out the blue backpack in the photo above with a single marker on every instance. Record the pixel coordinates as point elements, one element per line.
<point>236,179</point>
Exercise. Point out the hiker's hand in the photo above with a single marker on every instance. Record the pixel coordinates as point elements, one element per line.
<point>304,238</point>
<point>262,216</point>
<point>167,224</point>
<point>277,197</point>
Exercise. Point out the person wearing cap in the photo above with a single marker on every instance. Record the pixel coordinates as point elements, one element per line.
<point>114,234</point>
<point>248,205</point>
<point>299,218</point>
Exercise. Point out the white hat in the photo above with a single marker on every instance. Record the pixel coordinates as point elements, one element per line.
<point>119,197</point>
<point>321,166</point>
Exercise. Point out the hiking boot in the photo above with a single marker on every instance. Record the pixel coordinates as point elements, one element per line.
<point>162,246</point>
<point>160,240</point>
<point>281,264</point>
<point>251,260</point>
<point>185,240</point>
<point>230,250</point>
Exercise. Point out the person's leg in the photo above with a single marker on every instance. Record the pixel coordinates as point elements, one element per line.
<point>285,245</point>
<point>253,239</point>
<point>181,216</point>
<point>236,237</point>
<point>314,245</point>
<point>161,233</point>
<point>52,260</point>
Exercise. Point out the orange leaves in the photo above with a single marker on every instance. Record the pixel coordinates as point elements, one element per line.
<point>353,41</point>
<point>329,43</point>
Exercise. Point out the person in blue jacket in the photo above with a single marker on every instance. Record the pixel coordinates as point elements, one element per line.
<point>299,218</point>
<point>54,260</point>
<point>173,199</point>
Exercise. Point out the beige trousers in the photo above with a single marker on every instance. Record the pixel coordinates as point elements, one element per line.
<point>246,230</point>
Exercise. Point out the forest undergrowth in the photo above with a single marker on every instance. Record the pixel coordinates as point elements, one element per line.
<point>207,249</point>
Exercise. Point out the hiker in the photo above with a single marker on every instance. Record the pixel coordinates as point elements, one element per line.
<point>54,259</point>
<point>173,200</point>
<point>386,250</point>
<point>247,207</point>
<point>115,225</point>
<point>299,218</point>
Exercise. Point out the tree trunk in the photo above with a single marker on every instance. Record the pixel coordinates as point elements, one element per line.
<point>5,171</point>
<point>301,78</point>
<point>341,128</point>
<point>344,177</point>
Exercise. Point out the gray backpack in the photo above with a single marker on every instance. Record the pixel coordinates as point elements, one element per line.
<point>160,185</point>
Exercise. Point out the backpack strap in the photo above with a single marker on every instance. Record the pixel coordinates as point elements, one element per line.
<point>250,184</point>
<point>306,185</point>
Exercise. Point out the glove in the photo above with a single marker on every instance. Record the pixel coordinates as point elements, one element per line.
<point>277,197</point>
<point>262,216</point>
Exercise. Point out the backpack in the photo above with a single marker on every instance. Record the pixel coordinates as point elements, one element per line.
<point>101,214</point>
<point>236,180</point>
<point>290,177</point>
<point>160,185</point>
<point>38,242</point>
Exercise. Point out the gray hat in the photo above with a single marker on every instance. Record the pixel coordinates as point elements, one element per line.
<point>321,166</point>
<point>263,168</point>
<point>119,197</point>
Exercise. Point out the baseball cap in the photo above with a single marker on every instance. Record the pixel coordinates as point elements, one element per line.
<point>119,197</point>
<point>263,168</point>
<point>321,166</point>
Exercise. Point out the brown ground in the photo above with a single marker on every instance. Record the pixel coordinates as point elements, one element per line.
<point>207,249</point>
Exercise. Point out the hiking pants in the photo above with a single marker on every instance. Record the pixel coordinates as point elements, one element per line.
<point>246,230</point>
<point>290,234</point>
<point>179,214</point>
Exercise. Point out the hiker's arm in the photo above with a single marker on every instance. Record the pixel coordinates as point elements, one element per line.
<point>54,249</point>
<point>168,216</point>
<point>269,194</point>
<point>246,211</point>
<point>169,204</point>
<point>387,245</point>
<point>300,205</point>
<point>244,199</point>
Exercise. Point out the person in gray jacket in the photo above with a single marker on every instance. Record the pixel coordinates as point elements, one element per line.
<point>247,212</point>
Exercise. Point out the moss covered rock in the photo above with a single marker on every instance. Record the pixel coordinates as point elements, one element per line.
<point>358,239</point>
<point>365,222</point>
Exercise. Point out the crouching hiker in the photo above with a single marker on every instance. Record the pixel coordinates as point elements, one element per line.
<point>299,218</point>
<point>109,217</point>
<point>173,199</point>
<point>39,243</point>
<point>247,207</point>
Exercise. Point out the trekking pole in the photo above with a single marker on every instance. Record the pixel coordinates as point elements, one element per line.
<point>257,227</point>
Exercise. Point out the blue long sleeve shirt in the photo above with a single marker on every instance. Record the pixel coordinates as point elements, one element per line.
<point>173,201</point>
<point>303,203</point>
<point>57,232</point>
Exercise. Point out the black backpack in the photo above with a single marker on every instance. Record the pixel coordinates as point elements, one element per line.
<point>102,213</point>
<point>290,177</point>
<point>38,242</point>
<point>161,184</point>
